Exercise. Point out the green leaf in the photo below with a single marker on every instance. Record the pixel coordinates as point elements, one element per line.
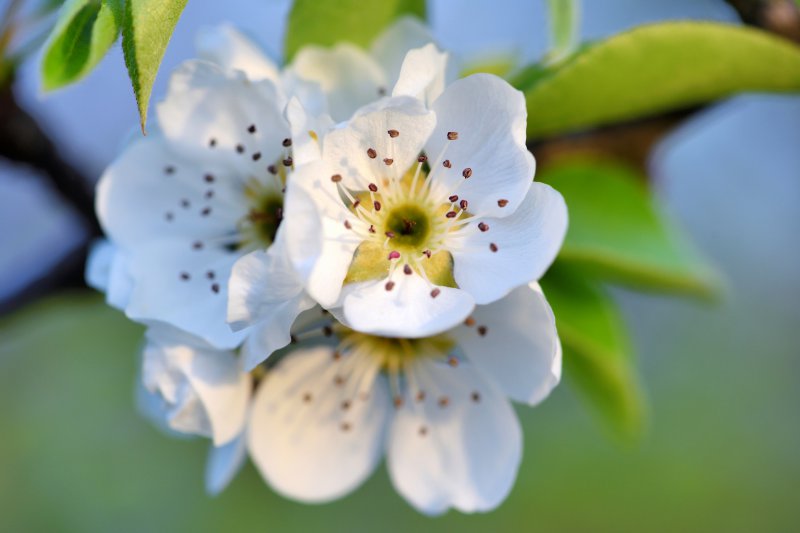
<point>327,22</point>
<point>653,69</point>
<point>563,18</point>
<point>597,353</point>
<point>146,31</point>
<point>616,231</point>
<point>84,32</point>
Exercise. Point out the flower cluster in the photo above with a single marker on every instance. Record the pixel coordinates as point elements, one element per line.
<point>337,261</point>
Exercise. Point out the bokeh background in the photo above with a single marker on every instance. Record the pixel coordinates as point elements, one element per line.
<point>722,449</point>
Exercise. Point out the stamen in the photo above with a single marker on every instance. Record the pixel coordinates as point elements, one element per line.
<point>422,158</point>
<point>393,133</point>
<point>450,214</point>
<point>336,178</point>
<point>287,143</point>
<point>407,270</point>
<point>185,276</point>
<point>463,205</point>
<point>388,161</point>
<point>435,292</point>
<point>256,156</point>
<point>390,234</point>
<point>423,430</point>
<point>394,254</point>
<point>493,247</point>
<point>482,330</point>
<point>288,162</point>
<point>252,128</point>
<point>239,149</point>
<point>446,163</point>
<point>469,322</point>
<point>483,226</point>
<point>372,153</point>
<point>476,397</point>
<point>212,143</point>
<point>444,401</point>
<point>215,288</point>
<point>209,178</point>
<point>307,397</point>
<point>377,205</point>
<point>453,198</point>
<point>452,135</point>
<point>347,224</point>
<point>502,202</point>
<point>467,172</point>
<point>389,285</point>
<point>372,187</point>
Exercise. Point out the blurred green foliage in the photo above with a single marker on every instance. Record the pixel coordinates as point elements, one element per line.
<point>653,69</point>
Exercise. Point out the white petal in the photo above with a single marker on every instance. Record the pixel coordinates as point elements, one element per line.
<point>459,447</point>
<point>151,192</point>
<point>407,310</point>
<point>349,76</point>
<point>305,440</point>
<point>391,46</point>
<point>174,284</point>
<point>107,271</point>
<point>527,243</point>
<point>489,117</point>
<point>230,49</point>
<point>514,341</point>
<point>423,74</point>
<point>224,462</point>
<point>307,128</point>
<point>319,246</point>
<point>204,390</point>
<point>205,104</point>
<point>346,148</point>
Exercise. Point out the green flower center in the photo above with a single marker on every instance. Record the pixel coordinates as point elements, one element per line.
<point>410,226</point>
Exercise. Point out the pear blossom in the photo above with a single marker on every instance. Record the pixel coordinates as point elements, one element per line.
<point>438,407</point>
<point>192,388</point>
<point>421,206</point>
<point>183,204</point>
<point>351,77</point>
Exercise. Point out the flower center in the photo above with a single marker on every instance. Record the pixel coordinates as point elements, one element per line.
<point>393,353</point>
<point>410,226</point>
<point>259,226</point>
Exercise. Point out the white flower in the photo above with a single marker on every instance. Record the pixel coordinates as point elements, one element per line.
<point>351,77</point>
<point>185,203</point>
<point>190,387</point>
<point>438,407</point>
<point>423,211</point>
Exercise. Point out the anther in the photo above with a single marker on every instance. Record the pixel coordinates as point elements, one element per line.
<point>239,149</point>
<point>307,397</point>
<point>444,401</point>
<point>215,288</point>
<point>356,203</point>
<point>407,270</point>
<point>388,161</point>
<point>197,245</point>
<point>336,178</point>
<point>338,380</point>
<point>502,203</point>
<point>476,397</point>
<point>452,361</point>
<point>346,405</point>
<point>463,205</point>
<point>373,187</point>
<point>337,355</point>
<point>435,293</point>
<point>205,211</point>
<point>345,426</point>
<point>371,228</point>
<point>390,234</point>
<point>452,135</point>
<point>327,331</point>
<point>377,205</point>
<point>398,402</point>
<point>446,163</point>
<point>288,162</point>
<point>272,169</point>
<point>422,158</point>
<point>421,396</point>
<point>347,224</point>
<point>209,178</point>
<point>372,153</point>
<point>426,253</point>
<point>483,226</point>
<point>450,214</point>
<point>185,203</point>
<point>393,133</point>
<point>493,247</point>
<point>169,170</point>
<point>287,143</point>
<point>423,430</point>
<point>212,143</point>
<point>394,254</point>
<point>467,172</point>
<point>453,198</point>
<point>210,274</point>
<point>251,128</point>
<point>169,216</point>
<point>185,276</point>
<point>209,194</point>
<point>389,285</point>
<point>469,322</point>
<point>256,156</point>
<point>482,330</point>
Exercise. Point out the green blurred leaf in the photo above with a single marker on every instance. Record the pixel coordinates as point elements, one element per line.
<point>146,30</point>
<point>325,22</point>
<point>655,68</point>
<point>616,231</point>
<point>597,353</point>
<point>85,31</point>
<point>563,18</point>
